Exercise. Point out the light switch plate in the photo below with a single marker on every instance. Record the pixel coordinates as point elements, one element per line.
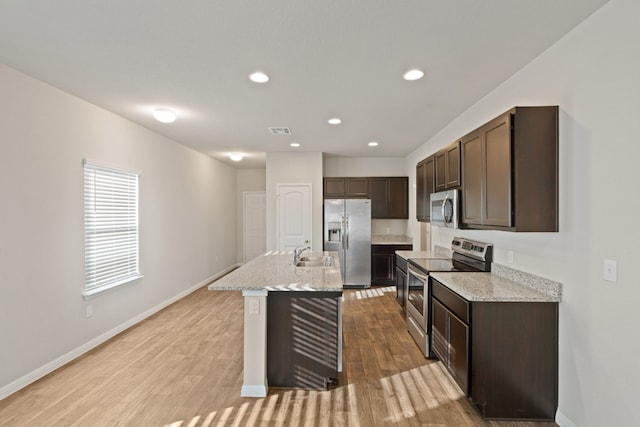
<point>510,257</point>
<point>610,271</point>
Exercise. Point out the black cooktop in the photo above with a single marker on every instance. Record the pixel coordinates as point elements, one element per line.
<point>439,265</point>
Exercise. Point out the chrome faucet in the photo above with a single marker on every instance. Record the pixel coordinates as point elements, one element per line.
<point>297,252</point>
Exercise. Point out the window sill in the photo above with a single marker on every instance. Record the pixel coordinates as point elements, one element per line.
<point>96,292</point>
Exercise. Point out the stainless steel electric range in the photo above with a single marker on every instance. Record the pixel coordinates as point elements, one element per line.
<point>468,256</point>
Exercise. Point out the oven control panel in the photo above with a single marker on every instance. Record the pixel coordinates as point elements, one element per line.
<point>472,248</point>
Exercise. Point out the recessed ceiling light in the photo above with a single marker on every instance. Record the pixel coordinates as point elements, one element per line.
<point>164,116</point>
<point>236,157</point>
<point>373,144</point>
<point>295,144</point>
<point>414,74</point>
<point>335,121</point>
<point>258,77</point>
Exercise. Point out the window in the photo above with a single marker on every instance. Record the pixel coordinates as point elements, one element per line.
<point>110,228</point>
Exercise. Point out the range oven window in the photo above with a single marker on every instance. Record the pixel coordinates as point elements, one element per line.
<point>416,291</point>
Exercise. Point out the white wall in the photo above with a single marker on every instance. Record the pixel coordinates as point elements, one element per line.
<point>592,74</point>
<point>364,166</point>
<point>294,168</point>
<point>247,180</point>
<point>187,230</point>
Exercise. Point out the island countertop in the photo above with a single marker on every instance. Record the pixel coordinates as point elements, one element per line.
<point>274,271</point>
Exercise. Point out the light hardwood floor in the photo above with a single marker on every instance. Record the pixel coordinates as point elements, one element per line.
<point>183,367</point>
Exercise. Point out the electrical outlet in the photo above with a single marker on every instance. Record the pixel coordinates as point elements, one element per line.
<point>254,306</point>
<point>610,271</point>
<point>510,257</point>
<point>88,310</point>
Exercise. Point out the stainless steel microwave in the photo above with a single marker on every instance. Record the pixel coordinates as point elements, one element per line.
<point>444,208</point>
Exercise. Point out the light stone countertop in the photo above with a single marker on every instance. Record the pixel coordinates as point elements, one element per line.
<point>274,271</point>
<point>390,239</point>
<point>488,287</point>
<point>421,255</point>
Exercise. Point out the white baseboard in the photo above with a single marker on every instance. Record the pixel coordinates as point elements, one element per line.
<point>253,391</point>
<point>563,421</point>
<point>35,375</point>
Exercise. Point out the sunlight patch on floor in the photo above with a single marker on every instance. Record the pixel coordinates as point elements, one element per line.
<point>368,293</point>
<point>406,396</point>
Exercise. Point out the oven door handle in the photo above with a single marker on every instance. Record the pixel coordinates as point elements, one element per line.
<point>419,275</point>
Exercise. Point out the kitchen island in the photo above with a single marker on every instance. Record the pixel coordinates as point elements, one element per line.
<point>292,320</point>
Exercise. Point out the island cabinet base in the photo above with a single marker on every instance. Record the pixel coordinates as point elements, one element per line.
<point>304,339</point>
<point>514,360</point>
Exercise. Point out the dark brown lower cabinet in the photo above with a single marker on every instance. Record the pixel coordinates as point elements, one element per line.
<point>450,340</point>
<point>504,355</point>
<point>383,263</point>
<point>303,339</point>
<point>401,281</point>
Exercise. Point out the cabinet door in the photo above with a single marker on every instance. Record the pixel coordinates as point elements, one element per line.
<point>459,351</point>
<point>453,165</point>
<point>401,281</point>
<point>472,171</point>
<point>439,339</point>
<point>422,199</point>
<point>497,140</point>
<point>440,159</point>
<point>447,167</point>
<point>379,192</point>
<point>334,187</point>
<point>425,185</point>
<point>398,198</point>
<point>382,267</point>
<point>356,187</point>
<point>430,183</point>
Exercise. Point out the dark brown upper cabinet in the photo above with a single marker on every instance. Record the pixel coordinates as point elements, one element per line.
<point>389,197</point>
<point>357,187</point>
<point>333,187</point>
<point>447,167</point>
<point>425,185</point>
<point>510,172</point>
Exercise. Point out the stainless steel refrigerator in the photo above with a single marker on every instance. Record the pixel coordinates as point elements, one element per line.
<point>347,230</point>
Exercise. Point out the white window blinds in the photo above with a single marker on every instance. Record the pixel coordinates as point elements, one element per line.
<point>110,227</point>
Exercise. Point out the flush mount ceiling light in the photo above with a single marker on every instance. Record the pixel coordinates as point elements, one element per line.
<point>335,121</point>
<point>414,74</point>
<point>236,157</point>
<point>164,116</point>
<point>258,77</point>
<point>373,144</point>
<point>295,144</point>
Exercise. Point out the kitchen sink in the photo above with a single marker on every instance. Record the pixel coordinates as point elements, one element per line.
<point>315,261</point>
<point>315,258</point>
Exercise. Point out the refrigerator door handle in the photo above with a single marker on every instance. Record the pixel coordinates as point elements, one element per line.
<point>342,231</point>
<point>346,231</point>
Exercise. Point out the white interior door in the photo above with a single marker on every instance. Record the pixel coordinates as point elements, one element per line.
<point>294,215</point>
<point>254,224</point>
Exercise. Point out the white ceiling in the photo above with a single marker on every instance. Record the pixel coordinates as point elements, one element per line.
<point>342,58</point>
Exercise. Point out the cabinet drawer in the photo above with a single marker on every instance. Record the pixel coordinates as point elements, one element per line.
<point>454,302</point>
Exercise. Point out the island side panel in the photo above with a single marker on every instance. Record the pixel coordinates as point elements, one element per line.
<point>255,344</point>
<point>303,339</point>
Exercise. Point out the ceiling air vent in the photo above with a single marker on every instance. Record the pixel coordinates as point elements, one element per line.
<point>280,131</point>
